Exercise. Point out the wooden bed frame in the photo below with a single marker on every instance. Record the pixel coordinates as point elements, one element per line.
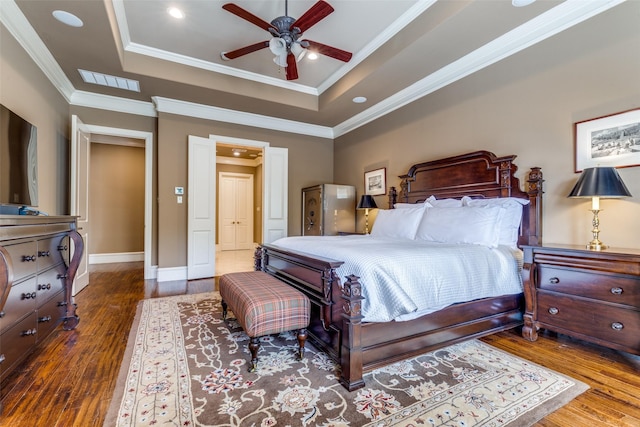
<point>336,321</point>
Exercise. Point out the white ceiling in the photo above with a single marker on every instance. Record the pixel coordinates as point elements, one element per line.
<point>402,50</point>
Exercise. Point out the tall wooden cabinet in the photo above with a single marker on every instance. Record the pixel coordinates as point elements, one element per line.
<point>39,256</point>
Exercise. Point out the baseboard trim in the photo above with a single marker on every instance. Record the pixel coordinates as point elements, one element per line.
<point>172,273</point>
<point>116,257</point>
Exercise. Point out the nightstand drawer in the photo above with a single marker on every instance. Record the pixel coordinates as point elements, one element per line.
<point>603,322</point>
<point>589,284</point>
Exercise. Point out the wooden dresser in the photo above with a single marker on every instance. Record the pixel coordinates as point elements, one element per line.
<point>36,278</point>
<point>590,295</point>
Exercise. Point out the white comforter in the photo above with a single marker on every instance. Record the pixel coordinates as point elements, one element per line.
<point>403,279</point>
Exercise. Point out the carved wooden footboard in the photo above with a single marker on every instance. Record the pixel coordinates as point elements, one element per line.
<point>336,322</point>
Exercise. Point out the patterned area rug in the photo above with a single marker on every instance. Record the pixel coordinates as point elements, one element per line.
<point>184,366</point>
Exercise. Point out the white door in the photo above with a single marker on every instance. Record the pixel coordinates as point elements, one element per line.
<point>235,208</point>
<point>276,179</point>
<point>80,151</point>
<point>201,194</point>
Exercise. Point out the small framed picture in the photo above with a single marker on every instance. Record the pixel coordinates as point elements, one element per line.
<point>610,141</point>
<point>375,182</point>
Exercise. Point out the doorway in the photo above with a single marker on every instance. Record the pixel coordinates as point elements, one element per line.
<point>235,211</point>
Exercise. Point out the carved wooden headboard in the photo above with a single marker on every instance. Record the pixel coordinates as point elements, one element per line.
<point>480,174</point>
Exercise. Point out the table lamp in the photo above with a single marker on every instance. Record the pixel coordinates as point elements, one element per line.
<point>366,203</point>
<point>596,183</point>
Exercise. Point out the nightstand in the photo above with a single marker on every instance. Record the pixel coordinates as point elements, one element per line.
<point>590,295</point>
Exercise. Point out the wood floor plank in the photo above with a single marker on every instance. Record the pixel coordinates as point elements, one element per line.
<point>71,377</point>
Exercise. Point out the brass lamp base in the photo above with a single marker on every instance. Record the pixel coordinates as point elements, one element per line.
<point>596,244</point>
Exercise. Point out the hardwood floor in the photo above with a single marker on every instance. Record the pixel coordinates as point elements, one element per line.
<point>70,379</point>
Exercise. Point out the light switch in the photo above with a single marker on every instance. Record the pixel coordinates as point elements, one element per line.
<point>179,199</point>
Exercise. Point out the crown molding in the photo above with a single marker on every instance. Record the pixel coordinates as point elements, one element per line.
<point>207,112</point>
<point>558,19</point>
<point>112,103</point>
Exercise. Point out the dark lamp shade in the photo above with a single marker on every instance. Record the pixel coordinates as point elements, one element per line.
<point>600,182</point>
<point>367,202</point>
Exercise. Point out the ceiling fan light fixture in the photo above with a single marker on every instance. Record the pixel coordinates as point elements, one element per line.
<point>298,51</point>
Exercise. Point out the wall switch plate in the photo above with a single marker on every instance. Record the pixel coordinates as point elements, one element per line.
<point>179,191</point>
<point>179,199</point>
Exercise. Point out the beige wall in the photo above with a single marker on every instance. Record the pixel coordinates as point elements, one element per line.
<point>524,105</point>
<point>310,162</point>
<point>116,202</point>
<point>25,90</point>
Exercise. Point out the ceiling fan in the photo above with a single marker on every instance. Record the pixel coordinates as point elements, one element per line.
<point>286,44</point>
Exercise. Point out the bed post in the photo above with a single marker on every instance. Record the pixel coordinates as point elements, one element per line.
<point>257,258</point>
<point>351,340</point>
<point>535,206</point>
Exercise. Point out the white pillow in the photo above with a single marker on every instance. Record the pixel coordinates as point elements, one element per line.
<point>397,223</point>
<point>474,225</point>
<point>443,203</point>
<point>509,228</point>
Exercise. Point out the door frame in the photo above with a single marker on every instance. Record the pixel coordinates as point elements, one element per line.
<point>150,272</point>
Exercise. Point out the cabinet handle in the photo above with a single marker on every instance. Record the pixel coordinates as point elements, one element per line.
<point>616,291</point>
<point>29,332</point>
<point>28,295</point>
<point>62,247</point>
<point>62,276</point>
<point>27,258</point>
<point>44,319</point>
<point>46,287</point>
<point>553,310</point>
<point>554,280</point>
<point>43,253</point>
<point>617,326</point>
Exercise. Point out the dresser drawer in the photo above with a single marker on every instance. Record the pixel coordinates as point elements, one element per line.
<point>21,300</point>
<point>617,289</point>
<point>50,314</point>
<point>17,342</point>
<point>52,251</point>
<point>49,283</point>
<point>23,259</point>
<point>612,324</point>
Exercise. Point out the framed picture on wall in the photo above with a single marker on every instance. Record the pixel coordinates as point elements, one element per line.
<point>375,182</point>
<point>612,141</point>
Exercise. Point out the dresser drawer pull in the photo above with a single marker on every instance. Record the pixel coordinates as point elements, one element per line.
<point>27,258</point>
<point>43,253</point>
<point>62,276</point>
<point>42,287</point>
<point>554,280</point>
<point>28,295</point>
<point>62,247</point>
<point>553,310</point>
<point>616,291</point>
<point>617,326</point>
<point>29,332</point>
<point>2,358</point>
<point>44,319</point>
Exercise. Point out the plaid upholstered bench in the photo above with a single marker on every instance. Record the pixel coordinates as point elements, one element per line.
<point>264,305</point>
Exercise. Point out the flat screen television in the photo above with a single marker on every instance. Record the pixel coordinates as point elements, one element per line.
<point>18,160</point>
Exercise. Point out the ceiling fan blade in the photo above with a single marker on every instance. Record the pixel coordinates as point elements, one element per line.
<point>244,50</point>
<point>292,67</point>
<point>315,14</point>
<point>248,16</point>
<point>330,51</point>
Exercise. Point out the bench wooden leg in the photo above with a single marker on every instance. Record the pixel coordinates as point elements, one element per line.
<point>254,346</point>
<point>224,310</point>
<point>302,338</point>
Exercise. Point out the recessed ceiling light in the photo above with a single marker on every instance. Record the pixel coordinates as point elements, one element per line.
<point>312,56</point>
<point>521,3</point>
<point>67,18</point>
<point>175,12</point>
<point>359,99</point>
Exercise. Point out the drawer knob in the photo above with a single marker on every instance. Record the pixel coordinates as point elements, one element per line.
<point>62,276</point>
<point>554,280</point>
<point>44,319</point>
<point>617,326</point>
<point>29,332</point>
<point>42,287</point>
<point>28,295</point>
<point>553,310</point>
<point>43,253</point>
<point>62,247</point>
<point>27,258</point>
<point>2,358</point>
<point>616,291</point>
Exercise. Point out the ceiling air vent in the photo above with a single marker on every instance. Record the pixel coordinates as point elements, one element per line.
<point>111,81</point>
